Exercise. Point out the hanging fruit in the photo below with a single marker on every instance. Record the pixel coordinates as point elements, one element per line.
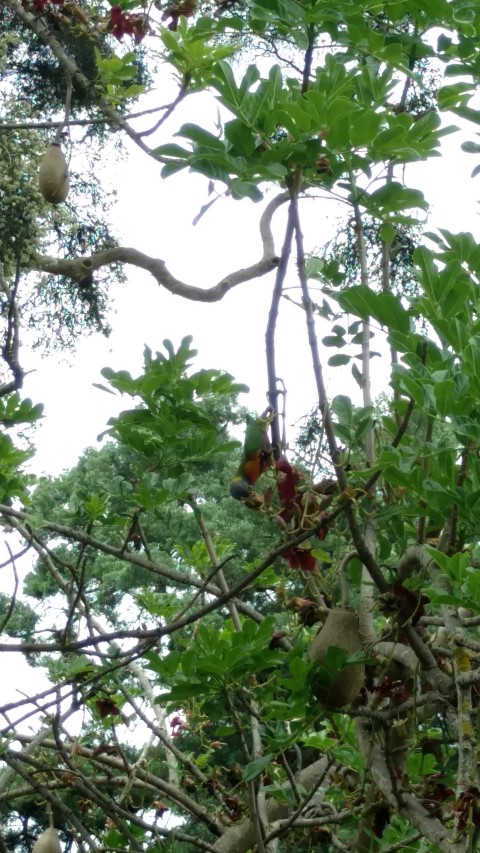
<point>53,178</point>
<point>340,630</point>
<point>47,842</point>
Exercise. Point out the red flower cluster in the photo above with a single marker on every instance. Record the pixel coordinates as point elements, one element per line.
<point>397,691</point>
<point>122,24</point>
<point>467,808</point>
<point>435,793</point>
<point>304,507</point>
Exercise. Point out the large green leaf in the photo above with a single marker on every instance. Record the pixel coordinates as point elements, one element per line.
<point>384,307</point>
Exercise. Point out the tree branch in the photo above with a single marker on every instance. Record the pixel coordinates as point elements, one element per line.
<point>408,806</point>
<point>156,633</point>
<point>241,837</point>
<point>77,269</point>
<point>364,553</point>
<point>11,346</point>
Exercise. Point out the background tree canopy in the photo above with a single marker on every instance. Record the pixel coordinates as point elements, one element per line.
<point>267,645</point>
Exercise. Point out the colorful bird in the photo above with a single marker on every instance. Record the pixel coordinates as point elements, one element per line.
<point>257,453</point>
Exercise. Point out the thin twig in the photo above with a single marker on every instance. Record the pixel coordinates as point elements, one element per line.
<point>11,347</point>
<point>11,606</point>
<point>170,109</point>
<point>364,553</point>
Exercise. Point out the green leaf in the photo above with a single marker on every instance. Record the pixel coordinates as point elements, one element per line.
<point>387,233</point>
<point>200,136</point>
<point>445,397</point>
<point>335,658</point>
<point>254,768</point>
<point>251,76</point>
<point>339,360</point>
<point>245,189</point>
<point>357,375</point>
<point>224,82</point>
<point>95,506</point>
<point>240,136</point>
<point>464,14</point>
<point>429,272</point>
<point>293,118</point>
<point>171,150</point>
<point>342,408</point>
<point>394,197</point>
<point>453,95</point>
<point>471,147</point>
<point>364,127</point>
<point>383,307</point>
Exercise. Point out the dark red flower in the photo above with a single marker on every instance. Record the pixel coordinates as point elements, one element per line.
<point>160,808</point>
<point>325,487</point>
<point>467,808</point>
<point>277,637</point>
<point>105,749</point>
<point>300,558</point>
<point>282,464</point>
<point>381,818</point>
<point>107,708</point>
<point>384,688</point>
<point>288,481</point>
<point>400,693</point>
<point>178,726</point>
<point>436,792</point>
<point>411,604</point>
<point>327,523</point>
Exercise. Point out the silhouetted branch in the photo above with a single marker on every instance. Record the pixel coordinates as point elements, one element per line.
<point>77,268</point>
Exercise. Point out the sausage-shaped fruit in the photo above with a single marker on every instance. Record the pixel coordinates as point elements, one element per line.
<point>47,842</point>
<point>341,630</point>
<point>53,178</point>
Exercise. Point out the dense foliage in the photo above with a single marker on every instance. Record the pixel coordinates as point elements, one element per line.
<point>247,648</point>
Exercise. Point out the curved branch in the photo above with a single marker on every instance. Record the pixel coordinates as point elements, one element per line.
<point>11,347</point>
<point>77,269</point>
<point>364,553</point>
